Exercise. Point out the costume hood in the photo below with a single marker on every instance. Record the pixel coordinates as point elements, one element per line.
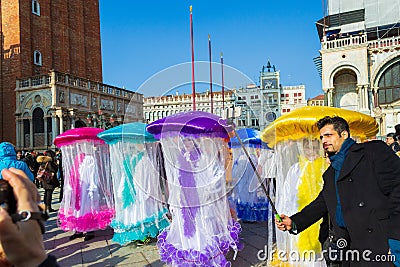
<point>7,150</point>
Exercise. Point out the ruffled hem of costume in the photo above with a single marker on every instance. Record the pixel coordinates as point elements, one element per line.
<point>151,226</point>
<point>89,222</point>
<point>211,255</point>
<point>254,212</point>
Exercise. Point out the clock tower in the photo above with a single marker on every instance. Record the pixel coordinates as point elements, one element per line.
<point>271,94</point>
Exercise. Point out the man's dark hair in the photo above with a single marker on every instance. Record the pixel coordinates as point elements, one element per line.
<point>339,124</point>
<point>392,135</point>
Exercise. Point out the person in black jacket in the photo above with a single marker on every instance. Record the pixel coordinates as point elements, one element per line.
<point>361,194</point>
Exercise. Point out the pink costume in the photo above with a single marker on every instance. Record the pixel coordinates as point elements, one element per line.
<point>88,203</point>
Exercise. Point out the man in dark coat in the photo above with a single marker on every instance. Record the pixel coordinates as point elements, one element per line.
<point>361,194</point>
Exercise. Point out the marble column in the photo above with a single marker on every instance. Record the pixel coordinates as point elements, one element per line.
<point>46,138</point>
<point>18,132</point>
<point>54,129</point>
<point>61,123</point>
<point>330,96</point>
<point>31,133</point>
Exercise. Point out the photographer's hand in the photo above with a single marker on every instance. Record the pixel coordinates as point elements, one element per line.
<point>23,241</point>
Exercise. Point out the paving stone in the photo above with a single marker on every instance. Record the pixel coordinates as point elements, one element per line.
<point>101,251</point>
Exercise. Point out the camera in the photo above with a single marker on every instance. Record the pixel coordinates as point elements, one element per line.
<point>7,199</point>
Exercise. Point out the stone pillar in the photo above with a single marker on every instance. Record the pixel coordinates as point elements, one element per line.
<point>363,95</point>
<point>54,129</point>
<point>61,123</point>
<point>329,93</point>
<point>31,133</point>
<point>360,96</point>
<point>373,96</point>
<point>46,138</point>
<point>21,133</point>
<point>366,97</point>
<point>18,131</point>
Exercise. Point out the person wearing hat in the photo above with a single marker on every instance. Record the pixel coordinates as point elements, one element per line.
<point>8,159</point>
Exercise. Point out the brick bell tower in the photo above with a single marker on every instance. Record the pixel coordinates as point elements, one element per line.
<point>42,35</point>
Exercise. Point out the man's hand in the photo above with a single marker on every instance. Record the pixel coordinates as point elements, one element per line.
<point>22,242</point>
<point>285,224</point>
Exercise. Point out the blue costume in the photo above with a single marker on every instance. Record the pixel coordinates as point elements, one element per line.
<point>8,159</point>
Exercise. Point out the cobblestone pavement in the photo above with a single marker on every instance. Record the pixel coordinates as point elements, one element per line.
<point>101,251</point>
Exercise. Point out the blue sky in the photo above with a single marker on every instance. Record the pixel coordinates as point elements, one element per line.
<point>143,38</point>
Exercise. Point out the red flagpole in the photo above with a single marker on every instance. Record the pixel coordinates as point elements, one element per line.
<point>222,71</point>
<point>211,90</point>
<point>191,40</point>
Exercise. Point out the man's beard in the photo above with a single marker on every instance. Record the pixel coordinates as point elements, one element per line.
<point>330,153</point>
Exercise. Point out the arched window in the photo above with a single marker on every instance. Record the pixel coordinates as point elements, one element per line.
<point>38,127</point>
<point>389,85</point>
<point>37,58</point>
<point>345,93</point>
<point>35,7</point>
<point>38,123</point>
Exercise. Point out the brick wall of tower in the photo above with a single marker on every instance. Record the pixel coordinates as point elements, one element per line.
<point>67,34</point>
<point>60,36</point>
<point>37,38</point>
<point>92,40</point>
<point>76,38</point>
<point>10,67</point>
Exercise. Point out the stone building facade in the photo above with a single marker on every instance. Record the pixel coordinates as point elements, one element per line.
<point>259,105</point>
<point>47,105</point>
<point>318,101</point>
<point>360,53</point>
<point>43,41</point>
<point>157,107</point>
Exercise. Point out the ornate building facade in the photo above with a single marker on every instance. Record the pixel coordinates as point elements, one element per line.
<point>360,54</point>
<point>259,105</point>
<point>51,68</point>
<point>157,107</point>
<point>47,105</point>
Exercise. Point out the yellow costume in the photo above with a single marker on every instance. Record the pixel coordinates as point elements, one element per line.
<point>300,165</point>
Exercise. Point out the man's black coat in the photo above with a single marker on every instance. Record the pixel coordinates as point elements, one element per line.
<point>369,190</point>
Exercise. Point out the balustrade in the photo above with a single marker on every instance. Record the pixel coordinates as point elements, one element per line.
<point>70,80</point>
<point>383,44</point>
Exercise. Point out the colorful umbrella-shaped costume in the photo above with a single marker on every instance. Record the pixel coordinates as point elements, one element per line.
<point>88,202</point>
<point>139,208</point>
<point>300,165</point>
<point>249,198</point>
<point>202,231</point>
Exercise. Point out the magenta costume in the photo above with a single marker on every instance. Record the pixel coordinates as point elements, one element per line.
<point>195,150</point>
<point>88,203</point>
